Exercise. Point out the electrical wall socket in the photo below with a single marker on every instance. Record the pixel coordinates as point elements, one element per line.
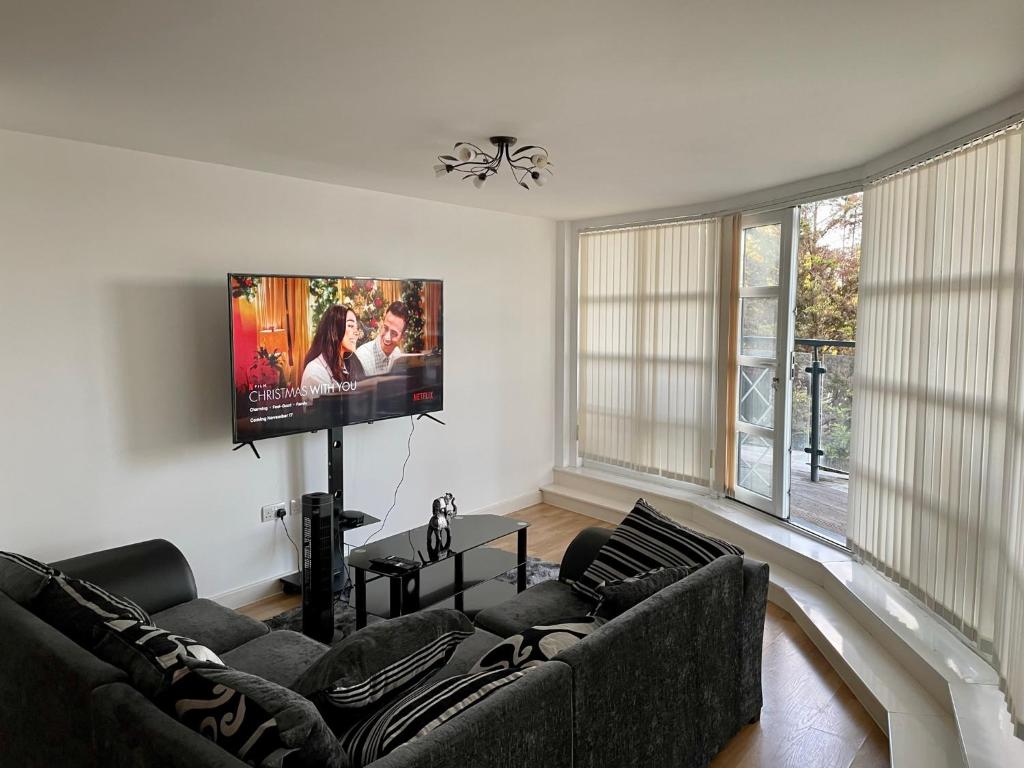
<point>268,512</point>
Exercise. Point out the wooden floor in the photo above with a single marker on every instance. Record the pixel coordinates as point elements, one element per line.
<point>821,505</point>
<point>809,719</point>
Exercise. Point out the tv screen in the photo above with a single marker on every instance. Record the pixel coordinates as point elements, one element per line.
<point>310,353</point>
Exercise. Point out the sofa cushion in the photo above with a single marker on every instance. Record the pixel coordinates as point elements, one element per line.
<point>280,657</point>
<point>218,628</point>
<point>258,721</point>
<point>546,603</point>
<point>620,595</point>
<point>536,645</point>
<point>79,608</point>
<point>151,656</point>
<point>22,578</point>
<point>382,661</point>
<point>647,539</point>
<point>420,712</point>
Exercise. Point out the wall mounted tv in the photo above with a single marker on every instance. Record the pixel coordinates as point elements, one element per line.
<point>311,353</point>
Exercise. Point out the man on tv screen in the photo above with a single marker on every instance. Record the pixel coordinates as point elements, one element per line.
<point>378,355</point>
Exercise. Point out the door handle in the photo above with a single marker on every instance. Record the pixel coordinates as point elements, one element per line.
<point>775,383</point>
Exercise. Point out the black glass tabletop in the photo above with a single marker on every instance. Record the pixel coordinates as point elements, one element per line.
<point>418,545</point>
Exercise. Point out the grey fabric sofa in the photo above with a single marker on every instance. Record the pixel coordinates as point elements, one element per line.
<point>669,681</point>
<point>61,705</point>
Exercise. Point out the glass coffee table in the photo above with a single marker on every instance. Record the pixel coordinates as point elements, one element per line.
<point>462,576</point>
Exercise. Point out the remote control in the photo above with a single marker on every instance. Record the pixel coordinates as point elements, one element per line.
<point>394,563</point>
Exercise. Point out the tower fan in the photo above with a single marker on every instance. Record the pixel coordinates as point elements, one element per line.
<point>318,566</point>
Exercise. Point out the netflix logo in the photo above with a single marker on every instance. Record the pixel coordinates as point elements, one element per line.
<point>418,396</point>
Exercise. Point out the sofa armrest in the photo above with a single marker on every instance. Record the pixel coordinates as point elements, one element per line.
<point>581,552</point>
<point>526,723</point>
<point>752,612</point>
<point>659,685</point>
<point>47,686</point>
<point>131,732</point>
<point>152,573</point>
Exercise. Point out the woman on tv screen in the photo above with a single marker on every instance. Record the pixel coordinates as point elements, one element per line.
<point>331,359</point>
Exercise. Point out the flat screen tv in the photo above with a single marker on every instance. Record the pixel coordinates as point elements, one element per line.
<point>314,352</point>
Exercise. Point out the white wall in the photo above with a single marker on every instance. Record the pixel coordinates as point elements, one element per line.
<point>113,320</point>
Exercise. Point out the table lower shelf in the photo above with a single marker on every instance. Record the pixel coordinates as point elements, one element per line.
<point>480,590</point>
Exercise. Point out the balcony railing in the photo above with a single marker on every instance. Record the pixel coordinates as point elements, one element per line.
<point>826,439</point>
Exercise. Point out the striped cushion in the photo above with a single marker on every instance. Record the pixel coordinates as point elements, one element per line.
<point>399,676</point>
<point>419,713</point>
<point>647,539</point>
<point>535,645</point>
<point>381,662</point>
<point>77,608</point>
<point>22,578</point>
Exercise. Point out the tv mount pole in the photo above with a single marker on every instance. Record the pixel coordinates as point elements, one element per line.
<point>336,469</point>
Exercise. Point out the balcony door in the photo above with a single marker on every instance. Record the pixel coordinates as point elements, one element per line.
<point>767,259</point>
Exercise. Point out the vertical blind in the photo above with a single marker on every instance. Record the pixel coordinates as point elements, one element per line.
<point>937,489</point>
<point>648,325</point>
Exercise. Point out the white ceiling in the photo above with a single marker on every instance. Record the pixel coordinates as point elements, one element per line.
<point>642,105</point>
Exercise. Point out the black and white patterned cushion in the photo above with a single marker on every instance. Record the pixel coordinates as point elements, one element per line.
<point>647,539</point>
<point>420,712</point>
<point>22,578</point>
<point>260,722</point>
<point>78,608</point>
<point>535,645</point>
<point>152,657</point>
<point>382,661</point>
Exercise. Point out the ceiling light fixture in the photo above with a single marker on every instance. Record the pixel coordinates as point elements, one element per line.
<point>528,164</point>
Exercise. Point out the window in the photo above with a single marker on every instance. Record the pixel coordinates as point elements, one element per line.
<point>648,329</point>
<point>937,458</point>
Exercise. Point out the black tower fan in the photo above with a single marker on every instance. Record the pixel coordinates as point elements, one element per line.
<point>318,566</point>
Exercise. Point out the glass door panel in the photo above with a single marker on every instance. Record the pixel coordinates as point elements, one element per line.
<point>765,330</point>
<point>759,323</point>
<point>755,464</point>
<point>761,249</point>
<point>757,396</point>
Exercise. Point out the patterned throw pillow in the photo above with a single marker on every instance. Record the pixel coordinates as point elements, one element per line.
<point>79,608</point>
<point>619,595</point>
<point>152,657</point>
<point>420,712</point>
<point>535,645</point>
<point>647,539</point>
<point>260,722</point>
<point>22,578</point>
<point>382,661</point>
